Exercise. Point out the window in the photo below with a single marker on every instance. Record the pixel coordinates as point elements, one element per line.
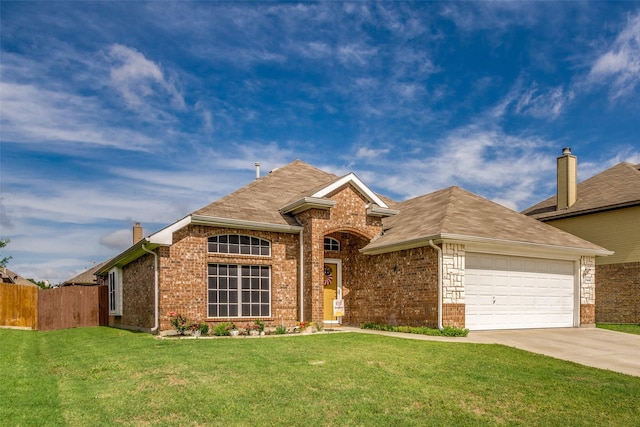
<point>239,244</point>
<point>331,244</point>
<point>115,292</point>
<point>239,290</point>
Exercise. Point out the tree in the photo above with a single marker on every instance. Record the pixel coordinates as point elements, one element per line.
<point>5,260</point>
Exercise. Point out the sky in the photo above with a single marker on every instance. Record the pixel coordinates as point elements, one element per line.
<point>113,113</point>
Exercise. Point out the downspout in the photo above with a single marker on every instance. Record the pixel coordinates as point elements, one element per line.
<point>156,290</point>
<point>301,276</point>
<point>439,250</point>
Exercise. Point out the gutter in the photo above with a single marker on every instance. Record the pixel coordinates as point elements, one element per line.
<point>439,250</point>
<point>156,289</point>
<point>301,275</point>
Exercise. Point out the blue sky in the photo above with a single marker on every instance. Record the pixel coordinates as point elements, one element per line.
<point>117,112</point>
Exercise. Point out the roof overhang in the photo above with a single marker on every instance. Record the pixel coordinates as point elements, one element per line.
<point>352,179</point>
<point>495,246</point>
<point>129,255</point>
<point>246,225</point>
<point>307,203</point>
<point>551,216</point>
<point>375,210</point>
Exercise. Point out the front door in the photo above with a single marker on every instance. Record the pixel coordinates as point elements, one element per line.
<point>332,288</point>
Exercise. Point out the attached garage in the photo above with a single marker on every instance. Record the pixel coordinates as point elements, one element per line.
<point>509,292</point>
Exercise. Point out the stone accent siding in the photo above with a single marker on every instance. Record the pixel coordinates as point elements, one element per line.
<point>618,293</point>
<point>453,273</point>
<point>587,290</point>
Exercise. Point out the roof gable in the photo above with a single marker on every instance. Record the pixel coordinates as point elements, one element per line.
<point>618,186</point>
<point>456,214</point>
<point>261,200</point>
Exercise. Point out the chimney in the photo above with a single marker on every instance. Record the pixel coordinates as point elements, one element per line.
<point>257,170</point>
<point>137,233</point>
<point>567,179</point>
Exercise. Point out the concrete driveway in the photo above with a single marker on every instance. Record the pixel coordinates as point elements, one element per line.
<point>599,348</point>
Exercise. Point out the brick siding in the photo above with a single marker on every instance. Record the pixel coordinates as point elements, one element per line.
<point>618,293</point>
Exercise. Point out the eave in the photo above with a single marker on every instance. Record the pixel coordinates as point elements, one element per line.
<point>491,245</point>
<point>307,203</point>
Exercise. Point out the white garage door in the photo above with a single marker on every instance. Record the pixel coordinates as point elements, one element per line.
<point>504,292</point>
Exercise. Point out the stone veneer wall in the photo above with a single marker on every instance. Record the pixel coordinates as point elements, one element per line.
<point>453,301</point>
<point>618,293</point>
<point>587,290</point>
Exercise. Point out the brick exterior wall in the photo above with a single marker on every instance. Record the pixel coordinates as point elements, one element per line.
<point>398,288</point>
<point>183,283</point>
<point>349,216</point>
<point>618,293</point>
<point>137,295</point>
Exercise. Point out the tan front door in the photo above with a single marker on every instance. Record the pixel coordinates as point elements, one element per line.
<point>331,270</point>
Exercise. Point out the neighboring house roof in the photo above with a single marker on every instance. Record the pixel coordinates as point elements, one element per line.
<point>8,276</point>
<point>86,278</point>
<point>616,187</point>
<point>456,214</point>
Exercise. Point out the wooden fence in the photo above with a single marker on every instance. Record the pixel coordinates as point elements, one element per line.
<point>19,306</point>
<point>29,307</point>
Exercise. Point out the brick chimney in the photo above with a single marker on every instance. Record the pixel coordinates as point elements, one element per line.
<point>567,179</point>
<point>137,233</point>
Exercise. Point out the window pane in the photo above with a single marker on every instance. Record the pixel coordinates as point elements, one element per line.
<point>264,309</point>
<point>222,270</point>
<point>233,283</point>
<point>233,238</point>
<point>213,268</point>
<point>233,297</point>
<point>264,296</point>
<point>246,310</point>
<point>265,283</point>
<point>222,311</point>
<point>233,311</point>
<point>255,270</point>
<point>246,283</point>
<point>255,283</point>
<point>246,297</point>
<point>213,297</point>
<point>255,309</point>
<point>224,248</point>
<point>264,251</point>
<point>234,249</point>
<point>245,240</point>
<point>255,296</point>
<point>255,250</point>
<point>213,311</point>
<point>246,270</point>
<point>245,250</point>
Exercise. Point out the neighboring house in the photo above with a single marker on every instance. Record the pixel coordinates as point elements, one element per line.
<point>285,246</point>
<point>87,277</point>
<point>604,209</point>
<point>8,276</point>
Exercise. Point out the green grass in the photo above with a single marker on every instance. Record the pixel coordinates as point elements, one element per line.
<point>630,329</point>
<point>103,376</point>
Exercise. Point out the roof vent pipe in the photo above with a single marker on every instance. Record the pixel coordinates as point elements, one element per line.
<point>257,170</point>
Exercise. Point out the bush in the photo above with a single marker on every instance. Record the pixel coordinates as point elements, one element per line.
<point>281,330</point>
<point>448,331</point>
<point>223,329</point>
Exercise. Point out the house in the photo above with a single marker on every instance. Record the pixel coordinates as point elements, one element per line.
<point>87,277</point>
<point>288,244</point>
<point>8,276</point>
<point>604,209</point>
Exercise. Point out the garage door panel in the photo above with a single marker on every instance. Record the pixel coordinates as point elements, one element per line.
<point>503,292</point>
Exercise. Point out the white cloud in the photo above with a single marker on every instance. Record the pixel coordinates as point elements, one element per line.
<point>619,66</point>
<point>118,240</point>
<point>543,103</point>
<point>370,153</point>
<point>138,78</point>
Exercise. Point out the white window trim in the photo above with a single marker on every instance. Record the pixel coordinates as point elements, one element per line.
<point>115,286</point>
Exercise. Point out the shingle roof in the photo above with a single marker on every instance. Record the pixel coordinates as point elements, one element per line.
<point>8,276</point>
<point>87,277</point>
<point>261,200</point>
<point>617,186</point>
<point>457,212</point>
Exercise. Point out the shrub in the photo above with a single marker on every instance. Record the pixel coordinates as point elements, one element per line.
<point>281,330</point>
<point>223,329</point>
<point>448,331</point>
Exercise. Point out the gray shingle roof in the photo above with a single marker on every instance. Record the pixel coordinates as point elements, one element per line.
<point>261,200</point>
<point>617,186</point>
<point>457,212</point>
<point>85,278</point>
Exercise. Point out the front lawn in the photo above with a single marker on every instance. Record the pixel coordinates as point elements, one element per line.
<point>630,329</point>
<point>103,376</point>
